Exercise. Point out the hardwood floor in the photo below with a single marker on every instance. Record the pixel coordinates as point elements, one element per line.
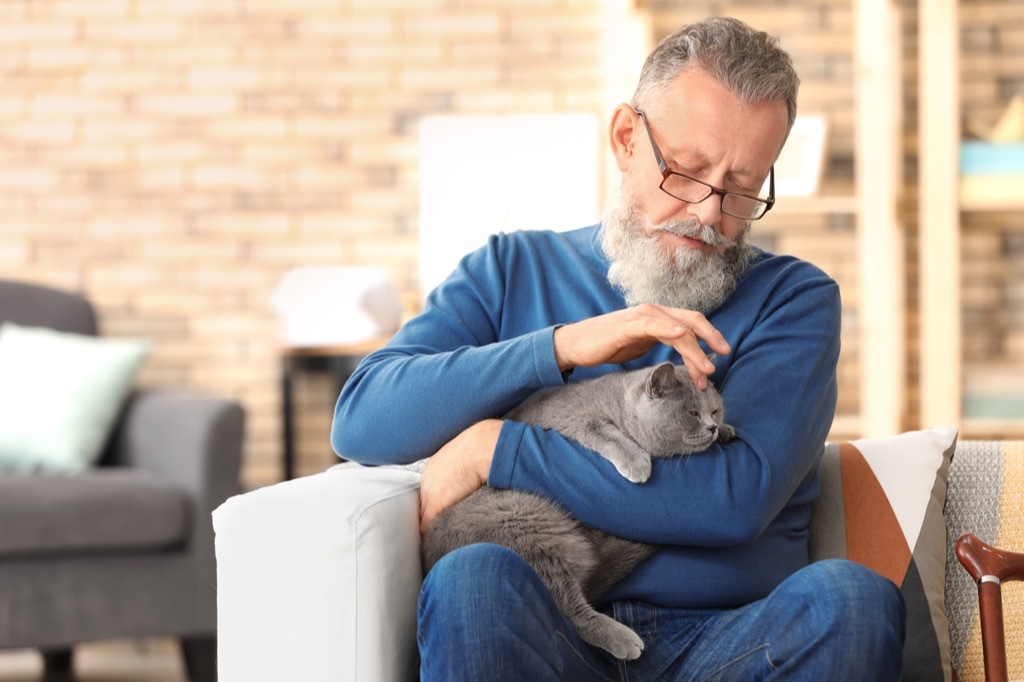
<point>154,660</point>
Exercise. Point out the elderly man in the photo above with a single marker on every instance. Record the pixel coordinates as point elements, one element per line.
<point>667,275</point>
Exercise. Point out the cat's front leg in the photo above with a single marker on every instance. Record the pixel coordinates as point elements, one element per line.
<point>726,433</point>
<point>630,460</point>
<point>636,469</point>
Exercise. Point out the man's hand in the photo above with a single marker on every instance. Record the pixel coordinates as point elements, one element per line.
<point>457,469</point>
<point>627,334</point>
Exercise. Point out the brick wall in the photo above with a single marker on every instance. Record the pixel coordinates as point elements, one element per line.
<point>172,158</point>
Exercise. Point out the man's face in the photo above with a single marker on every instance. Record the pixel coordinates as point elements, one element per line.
<point>667,251</point>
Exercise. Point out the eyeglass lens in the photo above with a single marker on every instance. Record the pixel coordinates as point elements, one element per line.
<point>694,192</point>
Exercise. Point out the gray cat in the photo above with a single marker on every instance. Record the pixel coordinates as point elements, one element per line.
<point>627,417</point>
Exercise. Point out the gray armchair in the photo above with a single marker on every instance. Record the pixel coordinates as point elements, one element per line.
<point>125,549</point>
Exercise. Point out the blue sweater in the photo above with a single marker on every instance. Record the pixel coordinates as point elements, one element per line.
<point>732,521</point>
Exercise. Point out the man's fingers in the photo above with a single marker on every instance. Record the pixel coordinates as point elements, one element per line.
<point>457,469</point>
<point>699,325</point>
<point>697,363</point>
<point>426,517</point>
<point>429,508</point>
<point>627,334</point>
<point>431,490</point>
<point>699,378</point>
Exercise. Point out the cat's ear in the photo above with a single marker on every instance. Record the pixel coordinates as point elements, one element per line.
<point>661,378</point>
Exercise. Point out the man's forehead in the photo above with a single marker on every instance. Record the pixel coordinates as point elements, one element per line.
<point>689,155</point>
<point>699,115</point>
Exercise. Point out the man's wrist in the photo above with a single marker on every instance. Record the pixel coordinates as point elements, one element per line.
<point>565,365</point>
<point>485,442</point>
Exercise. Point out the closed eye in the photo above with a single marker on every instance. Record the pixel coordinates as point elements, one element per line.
<point>694,413</point>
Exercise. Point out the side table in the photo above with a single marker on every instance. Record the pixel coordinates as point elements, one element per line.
<point>340,361</point>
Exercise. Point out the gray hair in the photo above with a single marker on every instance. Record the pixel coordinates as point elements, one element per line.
<point>749,63</point>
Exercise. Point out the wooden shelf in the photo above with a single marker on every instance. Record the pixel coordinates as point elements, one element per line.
<point>989,205</point>
<point>995,429</point>
<point>835,204</point>
<point>845,427</point>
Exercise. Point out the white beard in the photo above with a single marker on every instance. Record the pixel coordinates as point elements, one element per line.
<point>647,272</point>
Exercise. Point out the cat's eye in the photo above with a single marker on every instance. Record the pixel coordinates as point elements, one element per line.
<point>694,413</point>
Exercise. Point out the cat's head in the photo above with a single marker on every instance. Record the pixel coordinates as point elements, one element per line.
<point>672,416</point>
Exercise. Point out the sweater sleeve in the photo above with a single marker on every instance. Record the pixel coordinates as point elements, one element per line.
<point>446,369</point>
<point>779,390</point>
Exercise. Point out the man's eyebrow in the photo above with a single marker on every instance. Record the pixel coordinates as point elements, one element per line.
<point>701,160</point>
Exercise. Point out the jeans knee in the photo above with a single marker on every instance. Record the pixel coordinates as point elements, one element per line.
<point>475,567</point>
<point>474,581</point>
<point>857,599</point>
<point>835,616</point>
<point>479,606</point>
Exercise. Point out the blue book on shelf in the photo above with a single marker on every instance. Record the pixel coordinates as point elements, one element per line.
<point>987,158</point>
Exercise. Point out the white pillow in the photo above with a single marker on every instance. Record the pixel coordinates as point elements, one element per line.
<point>60,394</point>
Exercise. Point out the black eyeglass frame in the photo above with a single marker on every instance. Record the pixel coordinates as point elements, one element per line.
<point>666,172</point>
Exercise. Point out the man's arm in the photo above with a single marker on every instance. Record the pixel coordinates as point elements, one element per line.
<point>452,366</point>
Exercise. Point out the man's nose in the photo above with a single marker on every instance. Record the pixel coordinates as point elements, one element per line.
<point>709,211</point>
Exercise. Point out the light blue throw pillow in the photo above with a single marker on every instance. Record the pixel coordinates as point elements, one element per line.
<point>60,395</point>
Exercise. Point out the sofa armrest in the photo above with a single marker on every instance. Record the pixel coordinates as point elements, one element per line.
<point>318,578</point>
<point>189,438</point>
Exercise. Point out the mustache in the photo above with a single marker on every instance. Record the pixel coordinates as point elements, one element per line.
<point>695,230</point>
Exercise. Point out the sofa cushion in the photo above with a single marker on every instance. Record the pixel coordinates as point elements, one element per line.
<point>105,509</point>
<point>881,504</point>
<point>60,396</point>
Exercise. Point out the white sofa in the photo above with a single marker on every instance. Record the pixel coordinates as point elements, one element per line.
<point>318,577</point>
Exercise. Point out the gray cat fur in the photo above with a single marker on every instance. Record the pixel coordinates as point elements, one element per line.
<point>627,417</point>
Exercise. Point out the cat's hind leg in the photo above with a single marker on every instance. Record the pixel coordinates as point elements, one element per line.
<point>600,630</point>
<point>594,627</point>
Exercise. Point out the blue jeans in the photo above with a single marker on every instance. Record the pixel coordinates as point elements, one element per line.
<point>484,614</point>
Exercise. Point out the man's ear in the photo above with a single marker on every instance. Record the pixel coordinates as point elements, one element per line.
<point>622,134</point>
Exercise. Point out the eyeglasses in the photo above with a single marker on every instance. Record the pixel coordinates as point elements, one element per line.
<point>693,191</point>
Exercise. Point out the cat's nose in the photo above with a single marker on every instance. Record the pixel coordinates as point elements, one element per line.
<point>713,427</point>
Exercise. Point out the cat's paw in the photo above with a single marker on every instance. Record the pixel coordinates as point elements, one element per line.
<point>726,433</point>
<point>635,470</point>
<point>624,644</point>
<point>628,648</point>
<point>614,637</point>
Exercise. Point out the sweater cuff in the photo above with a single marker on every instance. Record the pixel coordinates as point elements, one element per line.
<point>506,452</point>
<point>544,358</point>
